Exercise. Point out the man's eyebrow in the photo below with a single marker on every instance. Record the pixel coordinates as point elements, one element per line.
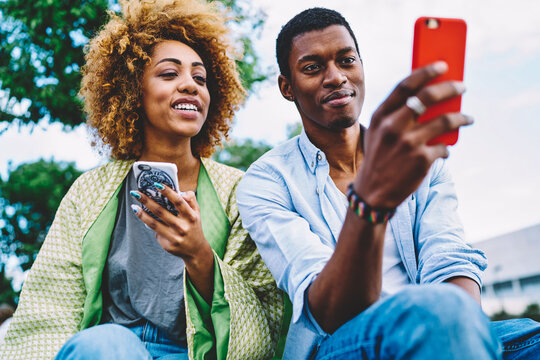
<point>346,50</point>
<point>313,57</point>
<point>178,62</point>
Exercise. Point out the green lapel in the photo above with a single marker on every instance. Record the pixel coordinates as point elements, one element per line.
<point>95,245</point>
<point>215,224</point>
<point>95,248</point>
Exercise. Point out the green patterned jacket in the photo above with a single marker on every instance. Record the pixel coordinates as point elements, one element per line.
<point>62,292</point>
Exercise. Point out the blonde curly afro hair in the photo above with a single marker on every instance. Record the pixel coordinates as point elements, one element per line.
<point>118,55</point>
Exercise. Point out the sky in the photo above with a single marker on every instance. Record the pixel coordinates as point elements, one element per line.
<point>495,164</point>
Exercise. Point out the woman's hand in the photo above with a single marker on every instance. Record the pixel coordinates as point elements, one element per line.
<point>181,234</point>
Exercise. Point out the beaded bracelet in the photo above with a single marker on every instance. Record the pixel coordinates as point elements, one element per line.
<point>366,212</point>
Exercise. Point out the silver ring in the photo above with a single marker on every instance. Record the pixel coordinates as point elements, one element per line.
<point>415,105</point>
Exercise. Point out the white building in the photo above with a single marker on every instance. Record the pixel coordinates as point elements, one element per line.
<point>512,279</point>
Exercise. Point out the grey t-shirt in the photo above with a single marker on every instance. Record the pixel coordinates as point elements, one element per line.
<point>142,281</point>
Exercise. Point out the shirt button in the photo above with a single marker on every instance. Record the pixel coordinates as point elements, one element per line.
<point>317,191</point>
<point>319,157</point>
<point>312,164</point>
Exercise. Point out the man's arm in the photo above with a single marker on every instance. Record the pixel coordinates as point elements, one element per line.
<point>469,285</point>
<point>442,253</point>
<point>396,160</point>
<point>352,279</point>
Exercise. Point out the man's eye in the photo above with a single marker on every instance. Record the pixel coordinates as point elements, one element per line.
<point>311,68</point>
<point>348,60</point>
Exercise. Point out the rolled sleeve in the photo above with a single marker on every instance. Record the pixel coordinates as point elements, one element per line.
<point>442,250</point>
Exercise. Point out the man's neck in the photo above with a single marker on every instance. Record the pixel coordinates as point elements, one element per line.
<point>343,150</point>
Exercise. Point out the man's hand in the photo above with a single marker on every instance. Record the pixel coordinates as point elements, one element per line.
<point>397,157</point>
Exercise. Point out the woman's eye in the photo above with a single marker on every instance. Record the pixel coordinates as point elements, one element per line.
<point>168,74</point>
<point>199,78</point>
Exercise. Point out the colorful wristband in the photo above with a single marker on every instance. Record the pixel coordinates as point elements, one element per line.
<point>365,211</point>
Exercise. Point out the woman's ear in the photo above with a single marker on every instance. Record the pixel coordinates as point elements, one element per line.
<point>285,88</point>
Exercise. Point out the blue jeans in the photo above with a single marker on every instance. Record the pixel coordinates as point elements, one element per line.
<point>421,322</point>
<point>112,341</point>
<point>520,338</point>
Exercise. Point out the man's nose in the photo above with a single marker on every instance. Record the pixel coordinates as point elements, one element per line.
<point>334,76</point>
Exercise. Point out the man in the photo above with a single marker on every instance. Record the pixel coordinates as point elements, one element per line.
<point>348,262</point>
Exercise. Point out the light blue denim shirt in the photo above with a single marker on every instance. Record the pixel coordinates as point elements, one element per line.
<point>294,212</point>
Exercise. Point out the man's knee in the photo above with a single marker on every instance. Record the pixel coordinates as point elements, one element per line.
<point>441,304</point>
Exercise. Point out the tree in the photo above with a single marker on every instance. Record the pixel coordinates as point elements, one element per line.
<point>29,200</point>
<point>532,311</point>
<point>7,294</point>
<point>41,52</point>
<point>240,154</point>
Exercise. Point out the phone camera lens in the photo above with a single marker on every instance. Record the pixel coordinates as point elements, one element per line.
<point>432,23</point>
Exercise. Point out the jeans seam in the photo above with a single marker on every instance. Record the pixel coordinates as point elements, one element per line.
<point>521,345</point>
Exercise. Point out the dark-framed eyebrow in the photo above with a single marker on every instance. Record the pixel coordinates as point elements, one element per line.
<point>178,62</point>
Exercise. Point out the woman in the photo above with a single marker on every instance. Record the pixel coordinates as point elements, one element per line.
<point>158,85</point>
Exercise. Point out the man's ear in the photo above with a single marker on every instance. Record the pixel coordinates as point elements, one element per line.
<point>285,88</point>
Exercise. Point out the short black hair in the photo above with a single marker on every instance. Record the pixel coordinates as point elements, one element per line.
<point>316,18</point>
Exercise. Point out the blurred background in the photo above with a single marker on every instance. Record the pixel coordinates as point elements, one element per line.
<point>44,144</point>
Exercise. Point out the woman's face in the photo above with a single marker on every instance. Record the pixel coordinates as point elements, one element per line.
<point>175,96</point>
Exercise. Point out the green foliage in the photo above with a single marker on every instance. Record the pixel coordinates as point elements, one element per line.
<point>532,311</point>
<point>241,154</point>
<point>294,129</point>
<point>41,52</point>
<point>247,23</point>
<point>7,294</point>
<point>29,200</point>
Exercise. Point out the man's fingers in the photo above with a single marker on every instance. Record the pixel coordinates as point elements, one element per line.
<point>439,92</point>
<point>436,151</point>
<point>441,125</point>
<point>408,87</point>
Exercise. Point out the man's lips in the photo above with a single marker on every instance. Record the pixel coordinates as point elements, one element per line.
<point>339,97</point>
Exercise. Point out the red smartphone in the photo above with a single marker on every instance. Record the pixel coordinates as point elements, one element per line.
<point>441,39</point>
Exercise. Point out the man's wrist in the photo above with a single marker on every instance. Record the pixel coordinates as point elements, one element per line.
<point>374,215</point>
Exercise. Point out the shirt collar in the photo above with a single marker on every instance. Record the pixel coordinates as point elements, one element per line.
<point>312,155</point>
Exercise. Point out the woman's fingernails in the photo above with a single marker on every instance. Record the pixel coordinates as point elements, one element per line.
<point>159,186</point>
<point>470,119</point>
<point>135,208</point>
<point>135,194</point>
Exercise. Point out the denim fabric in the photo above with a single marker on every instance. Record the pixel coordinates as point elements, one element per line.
<point>294,212</point>
<point>112,341</point>
<point>416,324</point>
<point>520,338</point>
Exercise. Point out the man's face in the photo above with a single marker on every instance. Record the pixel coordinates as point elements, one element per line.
<point>327,78</point>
